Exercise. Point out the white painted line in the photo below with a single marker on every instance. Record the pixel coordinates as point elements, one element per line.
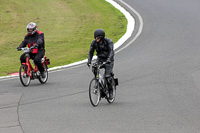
<point>130,25</point>
<point>130,29</point>
<point>140,26</point>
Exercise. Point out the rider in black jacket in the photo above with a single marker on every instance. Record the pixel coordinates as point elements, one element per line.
<point>105,53</point>
<point>35,40</point>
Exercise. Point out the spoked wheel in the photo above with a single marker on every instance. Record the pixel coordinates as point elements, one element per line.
<point>24,78</point>
<point>94,92</point>
<point>114,91</point>
<point>44,80</point>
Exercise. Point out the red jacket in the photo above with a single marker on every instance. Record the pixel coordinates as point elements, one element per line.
<point>31,40</point>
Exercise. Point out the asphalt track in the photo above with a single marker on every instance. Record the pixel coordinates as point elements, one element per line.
<point>159,77</point>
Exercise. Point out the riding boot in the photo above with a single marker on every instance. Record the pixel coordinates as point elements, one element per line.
<point>43,74</point>
<point>110,89</point>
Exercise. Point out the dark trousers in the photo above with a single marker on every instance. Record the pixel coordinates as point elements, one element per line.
<point>36,58</point>
<point>108,67</point>
<point>108,71</point>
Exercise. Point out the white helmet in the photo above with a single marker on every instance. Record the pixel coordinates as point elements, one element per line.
<point>32,26</point>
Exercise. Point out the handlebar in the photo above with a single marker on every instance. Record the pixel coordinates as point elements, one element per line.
<point>25,49</point>
<point>96,65</point>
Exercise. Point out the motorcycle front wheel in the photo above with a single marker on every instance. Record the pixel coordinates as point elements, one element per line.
<point>24,77</point>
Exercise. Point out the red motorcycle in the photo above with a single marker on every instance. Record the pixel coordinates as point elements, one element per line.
<point>27,72</point>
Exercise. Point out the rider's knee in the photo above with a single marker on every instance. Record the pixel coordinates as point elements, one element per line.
<point>22,60</point>
<point>107,76</point>
<point>37,61</point>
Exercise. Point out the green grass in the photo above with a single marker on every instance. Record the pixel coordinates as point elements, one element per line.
<point>68,26</point>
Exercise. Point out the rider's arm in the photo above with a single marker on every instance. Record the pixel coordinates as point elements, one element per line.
<point>40,41</point>
<point>24,42</point>
<point>91,52</point>
<point>110,48</point>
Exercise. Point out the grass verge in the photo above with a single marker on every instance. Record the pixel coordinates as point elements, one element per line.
<point>68,26</point>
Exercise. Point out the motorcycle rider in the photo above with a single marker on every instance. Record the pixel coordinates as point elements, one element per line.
<point>35,40</point>
<point>105,53</point>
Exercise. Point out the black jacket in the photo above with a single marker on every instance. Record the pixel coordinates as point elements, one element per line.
<point>30,40</point>
<point>104,50</point>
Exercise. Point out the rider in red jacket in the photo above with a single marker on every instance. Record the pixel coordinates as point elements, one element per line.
<point>35,40</point>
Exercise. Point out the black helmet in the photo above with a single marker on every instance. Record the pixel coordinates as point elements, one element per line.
<point>100,33</point>
<point>32,26</point>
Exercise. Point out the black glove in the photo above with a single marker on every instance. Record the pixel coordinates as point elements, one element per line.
<point>108,60</point>
<point>35,46</point>
<point>18,48</point>
<point>89,63</point>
